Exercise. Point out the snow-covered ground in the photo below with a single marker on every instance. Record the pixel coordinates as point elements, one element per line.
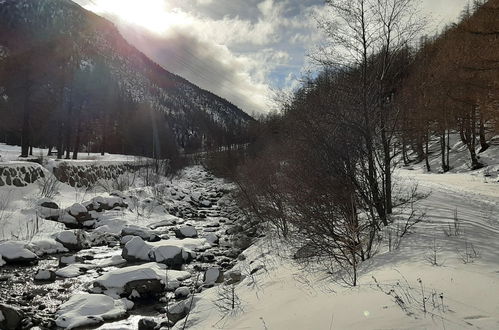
<point>11,153</point>
<point>445,275</point>
<point>460,292</point>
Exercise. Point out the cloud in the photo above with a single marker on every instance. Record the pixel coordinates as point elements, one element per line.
<point>240,50</point>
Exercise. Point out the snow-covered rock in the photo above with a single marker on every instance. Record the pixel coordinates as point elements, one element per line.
<point>101,203</point>
<point>136,249</point>
<point>13,252</point>
<point>90,310</point>
<point>142,232</point>
<point>73,240</point>
<point>135,281</point>
<point>186,232</point>
<point>173,253</point>
<point>77,209</point>
<point>46,246</point>
<point>172,256</point>
<point>73,270</point>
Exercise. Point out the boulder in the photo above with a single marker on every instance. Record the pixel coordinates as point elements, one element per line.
<point>147,324</point>
<point>43,275</point>
<point>73,240</point>
<point>49,205</point>
<point>90,310</point>
<point>136,249</point>
<point>16,252</point>
<point>142,232</point>
<point>135,281</point>
<point>178,311</point>
<point>10,317</point>
<point>212,276</point>
<point>186,232</point>
<point>182,292</point>
<point>79,212</point>
<point>233,276</point>
<point>172,256</point>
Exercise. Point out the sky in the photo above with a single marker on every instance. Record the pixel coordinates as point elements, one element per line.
<point>243,50</point>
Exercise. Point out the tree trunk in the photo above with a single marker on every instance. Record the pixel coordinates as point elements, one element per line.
<point>387,167</point>
<point>483,141</point>
<point>25,134</point>
<point>76,147</point>
<point>443,147</point>
<point>428,168</point>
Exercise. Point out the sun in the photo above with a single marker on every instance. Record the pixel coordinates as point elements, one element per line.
<point>153,15</point>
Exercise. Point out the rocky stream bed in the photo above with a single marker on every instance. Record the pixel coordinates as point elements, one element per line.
<point>126,260</point>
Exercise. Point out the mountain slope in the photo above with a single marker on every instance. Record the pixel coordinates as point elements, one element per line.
<point>54,42</point>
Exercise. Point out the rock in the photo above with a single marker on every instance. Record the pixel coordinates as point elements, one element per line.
<point>147,324</point>
<point>45,275</point>
<point>172,256</point>
<point>49,205</point>
<point>18,183</point>
<point>16,252</point>
<point>79,212</point>
<point>101,203</point>
<point>233,276</point>
<point>212,238</point>
<point>178,311</point>
<point>212,276</point>
<point>234,230</point>
<point>141,288</point>
<point>90,310</point>
<point>242,242</point>
<point>233,253</point>
<point>186,232</point>
<point>135,281</point>
<point>136,250</point>
<point>182,292</point>
<point>73,240</point>
<point>10,317</point>
<point>144,233</point>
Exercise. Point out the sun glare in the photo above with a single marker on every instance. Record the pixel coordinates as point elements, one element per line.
<point>151,14</point>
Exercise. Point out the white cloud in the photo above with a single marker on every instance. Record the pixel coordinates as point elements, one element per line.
<point>240,50</point>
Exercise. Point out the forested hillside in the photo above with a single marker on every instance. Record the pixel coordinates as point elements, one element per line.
<point>70,82</point>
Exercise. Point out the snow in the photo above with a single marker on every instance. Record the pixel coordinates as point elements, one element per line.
<point>46,246</point>
<point>11,153</point>
<point>90,310</point>
<point>73,270</point>
<point>114,281</point>
<point>16,251</point>
<point>67,236</point>
<point>2,262</point>
<point>77,209</point>
<point>285,295</point>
